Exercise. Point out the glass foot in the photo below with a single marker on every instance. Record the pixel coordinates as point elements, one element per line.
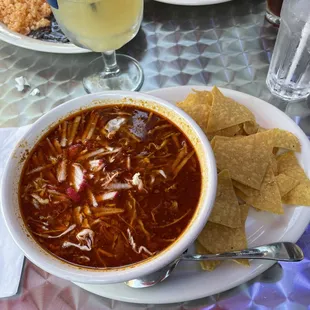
<point>129,77</point>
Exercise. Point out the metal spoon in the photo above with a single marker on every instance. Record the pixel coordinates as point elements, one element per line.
<point>279,251</point>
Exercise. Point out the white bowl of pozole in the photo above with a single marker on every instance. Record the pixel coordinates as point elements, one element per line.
<point>109,187</point>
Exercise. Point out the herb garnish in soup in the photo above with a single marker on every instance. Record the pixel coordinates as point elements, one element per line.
<point>110,186</point>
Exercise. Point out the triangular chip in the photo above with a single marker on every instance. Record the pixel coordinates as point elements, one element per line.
<point>267,199</point>
<point>226,210</point>
<point>208,265</point>
<point>226,112</point>
<point>216,138</point>
<point>251,191</point>
<point>217,238</point>
<point>246,158</point>
<point>204,96</point>
<point>275,150</point>
<point>285,183</point>
<point>244,262</point>
<point>283,139</point>
<point>244,211</point>
<point>250,127</point>
<point>246,190</point>
<point>274,164</point>
<point>241,132</point>
<point>288,164</point>
<point>286,140</point>
<point>222,138</point>
<point>261,129</point>
<point>300,195</point>
<point>227,132</point>
<point>196,105</point>
<point>212,142</point>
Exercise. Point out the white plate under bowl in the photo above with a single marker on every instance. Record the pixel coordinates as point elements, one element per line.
<point>188,282</point>
<point>20,40</point>
<point>193,2</point>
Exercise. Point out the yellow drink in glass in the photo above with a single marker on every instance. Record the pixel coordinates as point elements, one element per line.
<point>103,26</point>
<point>99,25</point>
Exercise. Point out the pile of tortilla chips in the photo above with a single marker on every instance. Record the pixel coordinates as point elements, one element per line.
<point>256,168</point>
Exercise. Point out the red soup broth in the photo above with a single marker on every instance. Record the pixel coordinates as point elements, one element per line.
<point>110,186</point>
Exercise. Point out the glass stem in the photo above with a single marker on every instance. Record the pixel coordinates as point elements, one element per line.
<point>110,64</point>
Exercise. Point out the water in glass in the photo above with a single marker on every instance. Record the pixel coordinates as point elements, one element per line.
<point>289,71</point>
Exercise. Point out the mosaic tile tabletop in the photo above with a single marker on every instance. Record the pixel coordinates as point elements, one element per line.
<point>229,45</point>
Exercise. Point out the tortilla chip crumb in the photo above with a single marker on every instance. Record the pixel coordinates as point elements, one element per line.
<point>208,265</point>
<point>24,15</point>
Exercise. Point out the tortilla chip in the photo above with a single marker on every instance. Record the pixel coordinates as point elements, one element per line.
<point>288,164</point>
<point>275,150</point>
<point>212,142</point>
<point>274,164</point>
<point>300,195</point>
<point>246,158</point>
<point>246,190</point>
<point>267,199</point>
<point>205,96</point>
<point>250,128</point>
<point>244,211</point>
<point>283,139</point>
<point>196,105</point>
<point>227,132</point>
<point>244,262</point>
<point>222,139</point>
<point>226,210</point>
<point>226,112</point>
<point>216,138</point>
<point>261,129</point>
<point>251,191</point>
<point>241,132</point>
<point>217,238</point>
<point>286,140</point>
<point>285,183</point>
<point>208,265</point>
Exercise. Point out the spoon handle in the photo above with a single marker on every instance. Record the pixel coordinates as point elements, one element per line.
<point>279,251</point>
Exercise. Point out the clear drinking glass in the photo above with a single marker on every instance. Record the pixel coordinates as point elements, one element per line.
<point>273,11</point>
<point>289,71</point>
<point>103,26</point>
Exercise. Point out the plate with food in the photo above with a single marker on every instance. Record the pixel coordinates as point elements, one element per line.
<point>118,185</point>
<point>191,280</point>
<point>193,2</point>
<point>30,24</point>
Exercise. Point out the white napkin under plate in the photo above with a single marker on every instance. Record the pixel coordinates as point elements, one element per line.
<point>11,257</point>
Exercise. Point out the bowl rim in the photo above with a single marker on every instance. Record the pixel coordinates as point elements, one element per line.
<point>86,275</point>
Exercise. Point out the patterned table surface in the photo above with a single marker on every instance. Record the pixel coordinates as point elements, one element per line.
<point>229,45</point>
